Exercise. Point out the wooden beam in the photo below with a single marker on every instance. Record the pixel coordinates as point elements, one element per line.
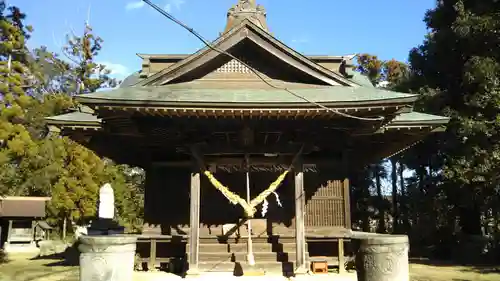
<point>182,124</point>
<point>291,149</point>
<point>300,238</point>
<point>307,162</point>
<point>194,222</point>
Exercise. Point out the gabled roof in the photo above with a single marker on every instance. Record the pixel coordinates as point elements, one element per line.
<point>259,43</point>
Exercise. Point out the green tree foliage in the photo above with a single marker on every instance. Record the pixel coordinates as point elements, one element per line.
<point>394,74</point>
<point>15,140</point>
<point>371,66</point>
<point>81,52</point>
<point>38,84</point>
<point>458,66</point>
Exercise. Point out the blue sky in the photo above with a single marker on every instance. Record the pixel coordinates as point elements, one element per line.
<point>387,28</point>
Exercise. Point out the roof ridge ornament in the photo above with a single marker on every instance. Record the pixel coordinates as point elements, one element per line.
<point>246,9</point>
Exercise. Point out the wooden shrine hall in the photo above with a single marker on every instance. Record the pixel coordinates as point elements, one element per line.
<point>247,159</point>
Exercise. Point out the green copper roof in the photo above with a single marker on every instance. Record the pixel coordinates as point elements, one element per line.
<point>77,118</point>
<point>361,79</point>
<point>130,80</point>
<point>186,93</point>
<point>418,117</point>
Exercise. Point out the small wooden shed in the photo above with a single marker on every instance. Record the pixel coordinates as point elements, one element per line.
<point>19,217</point>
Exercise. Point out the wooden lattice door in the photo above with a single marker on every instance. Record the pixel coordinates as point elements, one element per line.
<point>329,206</point>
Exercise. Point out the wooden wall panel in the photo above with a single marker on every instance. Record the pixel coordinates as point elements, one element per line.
<point>329,205</point>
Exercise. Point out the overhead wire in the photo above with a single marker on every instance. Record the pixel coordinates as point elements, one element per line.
<point>211,46</point>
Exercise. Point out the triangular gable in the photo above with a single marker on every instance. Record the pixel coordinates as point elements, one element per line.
<point>208,60</point>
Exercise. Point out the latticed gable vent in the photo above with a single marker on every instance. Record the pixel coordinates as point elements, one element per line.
<point>233,67</point>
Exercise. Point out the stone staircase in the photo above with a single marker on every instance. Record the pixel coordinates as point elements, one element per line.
<point>272,254</point>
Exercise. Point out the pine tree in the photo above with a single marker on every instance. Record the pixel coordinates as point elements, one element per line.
<point>81,51</point>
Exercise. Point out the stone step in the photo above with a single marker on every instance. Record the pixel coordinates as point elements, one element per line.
<point>286,268</point>
<point>242,247</point>
<point>242,257</point>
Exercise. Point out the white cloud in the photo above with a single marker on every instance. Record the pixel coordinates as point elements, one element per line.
<point>173,4</point>
<point>117,70</point>
<point>134,5</point>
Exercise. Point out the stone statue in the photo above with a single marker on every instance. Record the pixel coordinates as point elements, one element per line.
<point>106,202</point>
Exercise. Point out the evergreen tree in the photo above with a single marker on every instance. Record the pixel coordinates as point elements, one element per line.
<point>15,141</point>
<point>32,163</point>
<point>88,75</point>
<point>458,68</point>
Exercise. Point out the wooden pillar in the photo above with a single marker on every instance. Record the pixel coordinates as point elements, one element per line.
<point>347,225</point>
<point>194,222</point>
<point>9,232</point>
<point>300,237</point>
<point>341,256</point>
<point>33,231</point>
<point>152,255</point>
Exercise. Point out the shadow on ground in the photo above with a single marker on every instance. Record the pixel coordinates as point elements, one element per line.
<point>70,257</point>
<point>22,268</point>
<point>3,257</point>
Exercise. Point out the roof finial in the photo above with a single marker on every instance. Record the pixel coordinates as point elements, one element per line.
<point>246,9</point>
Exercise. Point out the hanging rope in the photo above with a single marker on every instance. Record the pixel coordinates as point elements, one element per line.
<point>250,209</point>
<point>271,189</point>
<point>231,196</point>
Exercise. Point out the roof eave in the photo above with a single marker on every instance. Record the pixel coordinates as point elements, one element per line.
<point>89,101</point>
<point>52,121</point>
<point>420,122</point>
<point>24,198</point>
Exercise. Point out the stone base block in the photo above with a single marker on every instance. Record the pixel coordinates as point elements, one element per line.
<point>107,258</point>
<point>383,258</point>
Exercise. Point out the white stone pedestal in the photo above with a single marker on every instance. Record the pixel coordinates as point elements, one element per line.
<point>107,258</point>
<point>383,258</point>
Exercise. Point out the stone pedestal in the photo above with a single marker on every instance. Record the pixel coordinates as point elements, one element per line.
<point>107,258</point>
<point>105,227</point>
<point>383,258</point>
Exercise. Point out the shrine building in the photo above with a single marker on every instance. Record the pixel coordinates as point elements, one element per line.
<point>213,133</point>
